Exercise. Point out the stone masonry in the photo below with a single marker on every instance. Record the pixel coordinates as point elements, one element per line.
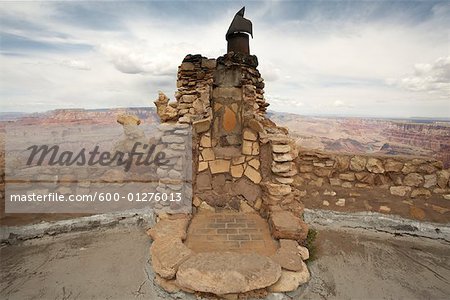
<point>246,226</point>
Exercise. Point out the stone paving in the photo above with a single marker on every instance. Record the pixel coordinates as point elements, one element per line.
<point>230,231</point>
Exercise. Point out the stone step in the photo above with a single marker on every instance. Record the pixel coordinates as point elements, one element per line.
<point>227,272</point>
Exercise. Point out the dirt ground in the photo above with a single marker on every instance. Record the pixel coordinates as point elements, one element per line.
<point>433,209</point>
<point>113,264</point>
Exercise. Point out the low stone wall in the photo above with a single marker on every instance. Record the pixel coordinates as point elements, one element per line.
<point>402,176</point>
<point>413,187</point>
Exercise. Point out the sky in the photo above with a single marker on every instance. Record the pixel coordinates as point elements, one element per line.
<point>346,58</point>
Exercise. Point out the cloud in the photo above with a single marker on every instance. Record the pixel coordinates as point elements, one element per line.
<point>341,104</point>
<point>76,64</point>
<point>429,77</point>
<point>310,54</point>
<point>269,71</point>
<point>143,59</point>
<point>283,101</point>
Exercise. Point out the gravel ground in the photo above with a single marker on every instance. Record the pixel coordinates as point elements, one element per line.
<point>113,264</point>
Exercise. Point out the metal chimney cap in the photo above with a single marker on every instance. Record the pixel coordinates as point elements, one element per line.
<point>240,24</point>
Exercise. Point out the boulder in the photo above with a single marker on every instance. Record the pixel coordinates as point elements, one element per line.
<point>227,272</point>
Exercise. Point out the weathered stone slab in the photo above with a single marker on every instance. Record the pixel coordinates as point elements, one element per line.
<point>208,154</point>
<point>255,163</point>
<point>226,272</point>
<point>219,166</point>
<point>285,225</point>
<point>281,148</point>
<point>279,139</point>
<point>202,125</point>
<point>249,135</point>
<point>253,174</point>
<point>237,171</point>
<point>282,157</point>
<point>167,254</point>
<point>203,165</point>
<point>169,229</point>
<point>277,189</point>
<point>282,167</point>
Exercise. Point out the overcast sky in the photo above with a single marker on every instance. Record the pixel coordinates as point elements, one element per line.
<point>354,58</point>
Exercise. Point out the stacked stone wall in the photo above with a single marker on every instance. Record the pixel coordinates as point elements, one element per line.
<point>400,176</point>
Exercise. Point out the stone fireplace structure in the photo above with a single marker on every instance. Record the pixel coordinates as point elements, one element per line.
<point>242,180</point>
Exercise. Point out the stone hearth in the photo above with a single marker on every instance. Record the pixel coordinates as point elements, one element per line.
<point>230,231</point>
